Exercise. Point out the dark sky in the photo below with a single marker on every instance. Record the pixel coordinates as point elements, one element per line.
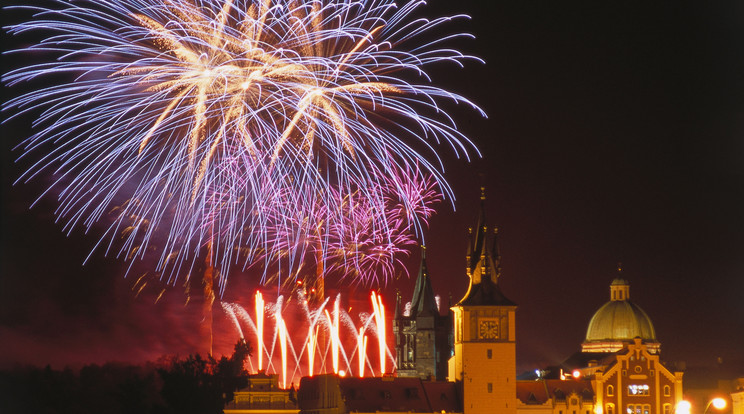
<point>615,134</point>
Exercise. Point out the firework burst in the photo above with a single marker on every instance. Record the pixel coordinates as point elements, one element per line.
<point>212,118</point>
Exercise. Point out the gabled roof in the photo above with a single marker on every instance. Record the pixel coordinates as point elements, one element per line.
<point>540,391</point>
<point>532,392</point>
<point>560,388</point>
<point>443,396</point>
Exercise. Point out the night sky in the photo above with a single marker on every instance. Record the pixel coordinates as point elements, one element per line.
<point>615,133</point>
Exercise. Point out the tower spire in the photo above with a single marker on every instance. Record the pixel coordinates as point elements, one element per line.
<point>423,302</point>
<point>484,264</point>
<point>396,313</point>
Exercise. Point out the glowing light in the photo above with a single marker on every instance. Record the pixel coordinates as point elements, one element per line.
<point>576,373</point>
<point>282,330</point>
<point>718,403</point>
<point>379,315</point>
<point>284,352</point>
<point>191,122</point>
<point>361,350</point>
<point>683,407</point>
<point>333,326</point>
<point>259,328</point>
<point>312,342</point>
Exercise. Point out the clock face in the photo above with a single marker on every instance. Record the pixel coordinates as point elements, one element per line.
<point>488,329</point>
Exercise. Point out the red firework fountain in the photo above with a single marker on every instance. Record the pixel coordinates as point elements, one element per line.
<point>303,355</point>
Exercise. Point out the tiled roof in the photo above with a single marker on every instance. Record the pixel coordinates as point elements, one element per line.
<point>443,396</point>
<point>383,394</point>
<point>532,392</point>
<point>388,394</point>
<point>560,388</point>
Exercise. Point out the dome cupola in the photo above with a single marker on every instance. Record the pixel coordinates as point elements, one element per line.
<point>618,322</point>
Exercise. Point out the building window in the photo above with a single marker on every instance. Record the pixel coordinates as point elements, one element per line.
<point>667,409</point>
<point>490,387</point>
<point>667,391</point>
<point>610,391</point>
<point>610,409</point>
<point>412,393</point>
<point>651,372</point>
<point>574,401</point>
<point>635,390</point>
<point>638,369</point>
<point>639,409</point>
<point>625,373</point>
<point>489,354</point>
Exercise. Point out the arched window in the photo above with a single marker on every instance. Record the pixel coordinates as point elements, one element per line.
<point>667,409</point>
<point>610,409</point>
<point>667,391</point>
<point>610,390</point>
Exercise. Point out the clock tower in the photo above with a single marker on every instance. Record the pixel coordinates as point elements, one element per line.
<point>484,361</point>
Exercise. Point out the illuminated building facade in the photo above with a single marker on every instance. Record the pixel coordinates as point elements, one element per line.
<point>620,356</point>
<point>484,360</point>
<point>263,395</point>
<point>555,396</point>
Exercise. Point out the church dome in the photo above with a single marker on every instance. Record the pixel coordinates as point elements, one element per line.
<point>618,321</point>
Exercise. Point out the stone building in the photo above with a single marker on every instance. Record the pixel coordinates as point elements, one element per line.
<point>555,396</point>
<point>263,395</point>
<point>422,344</point>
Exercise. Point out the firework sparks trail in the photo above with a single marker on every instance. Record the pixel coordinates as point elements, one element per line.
<point>359,245</point>
<point>209,115</point>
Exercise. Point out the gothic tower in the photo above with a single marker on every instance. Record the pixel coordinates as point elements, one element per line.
<point>484,361</point>
<point>421,336</point>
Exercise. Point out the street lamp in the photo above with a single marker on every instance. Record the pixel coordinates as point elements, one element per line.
<point>718,403</point>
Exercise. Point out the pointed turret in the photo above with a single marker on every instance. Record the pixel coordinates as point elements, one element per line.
<point>397,313</point>
<point>423,303</point>
<point>477,251</point>
<point>484,265</point>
